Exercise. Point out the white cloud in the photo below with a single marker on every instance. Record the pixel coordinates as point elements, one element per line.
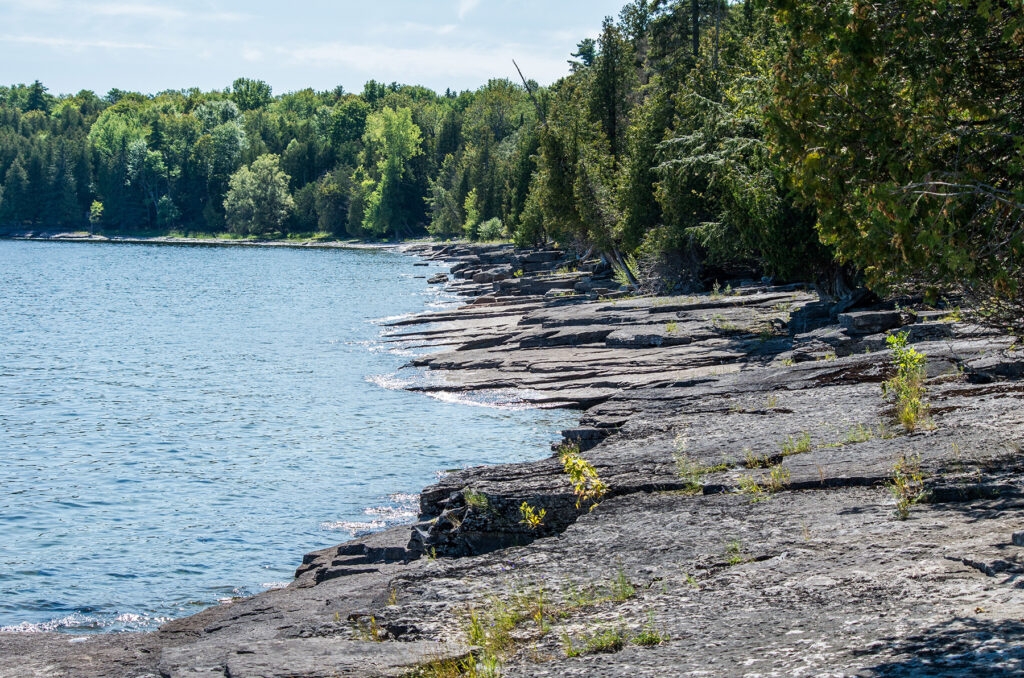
<point>130,10</point>
<point>427,64</point>
<point>467,6</point>
<point>429,29</point>
<point>134,10</point>
<point>76,43</point>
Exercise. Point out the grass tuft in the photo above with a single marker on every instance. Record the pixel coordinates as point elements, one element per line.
<point>906,483</point>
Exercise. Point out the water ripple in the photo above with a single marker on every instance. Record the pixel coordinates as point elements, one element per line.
<point>179,425</point>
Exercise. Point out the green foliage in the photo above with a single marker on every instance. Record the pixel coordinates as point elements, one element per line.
<point>491,229</point>
<point>604,641</point>
<point>370,630</point>
<point>472,213</point>
<point>627,273</point>
<point>734,553</point>
<point>906,483</point>
<point>587,486</point>
<point>906,388</point>
<point>692,472</point>
<point>249,94</point>
<point>95,212</point>
<point>800,445</point>
<point>531,517</point>
<point>761,489</point>
<point>780,136</point>
<point>622,589</point>
<point>649,635</point>
<point>258,201</point>
<point>476,500</point>
<point>392,137</point>
<point>903,122</point>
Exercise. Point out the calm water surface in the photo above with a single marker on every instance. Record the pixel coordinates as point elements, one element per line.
<point>178,425</point>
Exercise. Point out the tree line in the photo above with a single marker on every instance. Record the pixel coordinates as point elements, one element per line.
<point>840,141</point>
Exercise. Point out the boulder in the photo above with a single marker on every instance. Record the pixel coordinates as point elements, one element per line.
<point>870,322</point>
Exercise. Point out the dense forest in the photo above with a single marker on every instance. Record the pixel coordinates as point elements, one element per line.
<point>842,141</point>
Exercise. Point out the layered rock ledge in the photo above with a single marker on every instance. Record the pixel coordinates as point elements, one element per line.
<point>747,529</point>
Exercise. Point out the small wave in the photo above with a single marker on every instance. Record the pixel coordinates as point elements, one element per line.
<point>392,515</point>
<point>274,585</point>
<point>140,620</point>
<point>499,399</point>
<point>397,348</point>
<point>406,499</point>
<point>392,382</point>
<point>392,318</point>
<point>237,592</point>
<point>355,528</point>
<point>127,621</point>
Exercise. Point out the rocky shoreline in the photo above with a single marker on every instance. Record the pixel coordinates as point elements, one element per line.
<point>746,529</point>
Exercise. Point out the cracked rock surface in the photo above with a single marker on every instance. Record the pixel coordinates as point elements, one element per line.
<point>695,562</point>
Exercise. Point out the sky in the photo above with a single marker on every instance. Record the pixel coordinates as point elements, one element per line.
<point>153,45</point>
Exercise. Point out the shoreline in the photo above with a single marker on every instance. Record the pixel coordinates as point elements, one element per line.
<point>209,242</point>
<point>747,452</point>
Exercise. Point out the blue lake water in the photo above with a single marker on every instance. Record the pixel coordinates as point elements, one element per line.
<point>178,425</point>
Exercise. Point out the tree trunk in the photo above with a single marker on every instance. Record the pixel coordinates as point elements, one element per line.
<point>718,28</point>
<point>695,25</point>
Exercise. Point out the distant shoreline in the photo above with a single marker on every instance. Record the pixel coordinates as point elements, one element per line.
<point>210,242</point>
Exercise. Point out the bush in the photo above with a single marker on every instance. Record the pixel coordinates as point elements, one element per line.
<point>906,389</point>
<point>492,229</point>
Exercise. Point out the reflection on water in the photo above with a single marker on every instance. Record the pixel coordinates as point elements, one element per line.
<point>178,425</point>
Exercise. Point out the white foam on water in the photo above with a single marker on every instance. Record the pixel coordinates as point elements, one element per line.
<point>392,515</point>
<point>78,621</point>
<point>355,528</point>
<point>498,399</point>
<point>392,318</point>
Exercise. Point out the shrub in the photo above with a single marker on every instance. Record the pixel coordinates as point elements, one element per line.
<point>906,483</point>
<point>906,389</point>
<point>492,229</point>
<point>586,484</point>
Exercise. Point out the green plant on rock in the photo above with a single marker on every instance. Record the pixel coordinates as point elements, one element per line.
<point>625,276</point>
<point>476,500</point>
<point>671,327</point>
<point>692,472</point>
<point>531,517</point>
<point>370,630</point>
<point>607,640</point>
<point>734,553</point>
<point>587,485</point>
<point>778,479</point>
<point>799,445</point>
<point>906,483</point>
<point>752,460</point>
<point>906,389</point>
<point>649,635</point>
<point>761,490</point>
<point>622,589</point>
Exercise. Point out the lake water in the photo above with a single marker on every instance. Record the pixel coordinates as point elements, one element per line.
<point>178,425</point>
